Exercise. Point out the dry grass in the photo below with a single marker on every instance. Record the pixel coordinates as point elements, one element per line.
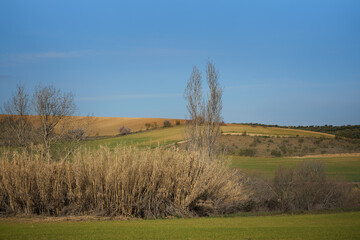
<point>125,181</point>
<point>238,129</point>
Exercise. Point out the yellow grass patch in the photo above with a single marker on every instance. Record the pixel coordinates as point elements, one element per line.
<point>237,129</point>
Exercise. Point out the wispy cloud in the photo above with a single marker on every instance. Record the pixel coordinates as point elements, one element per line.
<point>13,59</point>
<point>130,52</point>
<point>129,96</point>
<point>160,52</point>
<point>6,77</point>
<point>55,54</point>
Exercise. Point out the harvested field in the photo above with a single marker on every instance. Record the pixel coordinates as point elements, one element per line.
<point>109,126</point>
<point>104,126</point>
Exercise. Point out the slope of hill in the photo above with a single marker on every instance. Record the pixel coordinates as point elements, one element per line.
<point>105,126</point>
<point>109,126</point>
<point>164,136</point>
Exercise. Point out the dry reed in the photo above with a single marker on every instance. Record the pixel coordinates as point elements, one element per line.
<point>125,181</point>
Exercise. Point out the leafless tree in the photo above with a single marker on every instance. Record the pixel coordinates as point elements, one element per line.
<point>203,129</point>
<point>213,117</point>
<point>196,109</point>
<point>17,126</point>
<point>124,130</point>
<point>52,107</point>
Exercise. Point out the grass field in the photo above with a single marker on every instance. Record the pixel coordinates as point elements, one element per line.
<point>152,138</point>
<point>315,226</point>
<point>343,166</point>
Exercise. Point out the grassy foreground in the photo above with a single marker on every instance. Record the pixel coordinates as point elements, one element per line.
<point>317,226</point>
<point>344,166</point>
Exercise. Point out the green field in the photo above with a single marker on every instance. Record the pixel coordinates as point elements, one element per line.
<point>152,138</point>
<point>347,167</point>
<point>315,226</point>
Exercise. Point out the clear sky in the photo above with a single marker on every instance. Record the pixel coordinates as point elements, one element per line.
<point>280,62</point>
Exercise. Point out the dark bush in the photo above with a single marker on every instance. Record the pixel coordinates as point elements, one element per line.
<point>124,130</point>
<point>249,152</point>
<point>283,148</point>
<point>77,134</point>
<point>275,153</point>
<point>167,123</point>
<point>154,125</point>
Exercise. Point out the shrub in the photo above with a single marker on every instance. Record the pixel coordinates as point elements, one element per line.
<point>283,148</point>
<point>256,140</point>
<point>304,187</point>
<point>275,153</point>
<point>147,126</point>
<point>124,130</point>
<point>177,122</point>
<point>77,133</point>
<point>123,181</point>
<point>167,123</point>
<point>250,152</point>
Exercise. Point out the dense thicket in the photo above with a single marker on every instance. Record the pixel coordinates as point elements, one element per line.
<point>126,181</point>
<point>348,131</point>
<point>305,187</point>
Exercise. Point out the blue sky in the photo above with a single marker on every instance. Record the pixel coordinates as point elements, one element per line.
<point>280,62</point>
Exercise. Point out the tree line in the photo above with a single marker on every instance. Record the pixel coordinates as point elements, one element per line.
<point>347,131</point>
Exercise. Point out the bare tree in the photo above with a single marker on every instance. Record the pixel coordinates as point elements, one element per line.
<point>124,130</point>
<point>17,126</point>
<point>52,107</point>
<point>196,109</point>
<point>203,129</point>
<point>213,117</point>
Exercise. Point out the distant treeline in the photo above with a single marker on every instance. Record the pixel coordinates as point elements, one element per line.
<point>348,131</point>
